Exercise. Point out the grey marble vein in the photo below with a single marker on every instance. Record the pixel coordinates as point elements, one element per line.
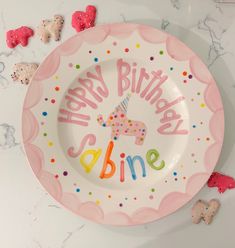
<point>123,18</point>
<point>69,236</point>
<point>7,136</point>
<point>53,206</point>
<point>164,24</point>
<point>176,4</point>
<point>216,48</point>
<point>3,81</point>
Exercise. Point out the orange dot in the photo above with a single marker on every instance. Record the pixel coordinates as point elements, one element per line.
<point>207,138</point>
<point>184,73</point>
<point>109,196</point>
<point>52,160</point>
<point>108,51</point>
<point>57,88</point>
<point>184,178</point>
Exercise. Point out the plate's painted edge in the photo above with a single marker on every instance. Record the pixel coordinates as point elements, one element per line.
<point>178,51</point>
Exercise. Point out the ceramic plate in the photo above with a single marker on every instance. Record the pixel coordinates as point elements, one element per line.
<point>123,124</point>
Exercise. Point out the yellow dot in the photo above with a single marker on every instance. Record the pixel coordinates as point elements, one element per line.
<point>56,77</point>
<point>137,45</point>
<point>97,202</point>
<point>50,144</point>
<point>202,105</point>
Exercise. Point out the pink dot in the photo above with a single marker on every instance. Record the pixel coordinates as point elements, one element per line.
<point>70,65</point>
<point>52,100</point>
<point>114,43</point>
<point>151,197</point>
<point>126,50</point>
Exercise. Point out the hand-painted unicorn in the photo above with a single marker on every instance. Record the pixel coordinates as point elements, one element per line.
<point>121,125</point>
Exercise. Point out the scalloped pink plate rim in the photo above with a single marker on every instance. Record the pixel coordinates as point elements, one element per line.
<point>89,210</point>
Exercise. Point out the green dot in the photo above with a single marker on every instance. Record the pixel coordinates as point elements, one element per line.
<point>45,134</point>
<point>153,190</point>
<point>171,68</point>
<point>90,193</point>
<point>77,66</point>
<point>161,52</point>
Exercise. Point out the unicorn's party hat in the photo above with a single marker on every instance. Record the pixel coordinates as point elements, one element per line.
<point>124,104</point>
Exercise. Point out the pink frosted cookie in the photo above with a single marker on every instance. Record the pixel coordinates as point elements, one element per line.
<point>19,36</point>
<point>82,20</point>
<point>51,29</point>
<point>222,182</point>
<point>23,72</point>
<point>206,211</point>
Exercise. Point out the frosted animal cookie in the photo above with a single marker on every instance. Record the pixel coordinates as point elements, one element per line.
<point>23,72</point>
<point>51,29</point>
<point>205,211</point>
<point>121,125</point>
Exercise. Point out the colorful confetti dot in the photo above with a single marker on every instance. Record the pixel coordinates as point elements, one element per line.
<point>78,190</point>
<point>184,73</point>
<point>207,138</point>
<point>52,160</point>
<point>122,155</point>
<point>65,173</point>
<point>109,196</point>
<point>126,50</point>
<point>190,76</point>
<point>44,134</point>
<point>165,181</point>
<point>171,68</point>
<point>56,77</point>
<point>96,59</point>
<point>161,52</point>
<point>108,51</point>
<point>57,88</point>
<point>184,178</point>
<point>202,105</point>
<point>198,93</point>
<point>201,122</point>
<point>50,144</point>
<point>198,139</point>
<point>194,126</point>
<point>185,81</point>
<point>192,154</point>
<point>152,190</point>
<point>56,176</point>
<point>44,113</point>
<point>97,202</point>
<point>42,123</point>
<point>135,198</point>
<point>70,65</point>
<point>175,173</point>
<point>90,51</point>
<point>114,43</point>
<point>151,58</point>
<point>151,197</point>
<point>126,198</point>
<point>120,205</point>
<point>176,179</point>
<point>90,193</point>
<point>137,45</point>
<point>46,99</point>
<point>52,101</point>
<point>77,66</point>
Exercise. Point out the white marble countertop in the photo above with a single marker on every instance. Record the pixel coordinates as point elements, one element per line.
<point>29,217</point>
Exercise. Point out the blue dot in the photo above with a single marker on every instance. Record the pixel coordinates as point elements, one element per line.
<point>96,59</point>
<point>104,125</point>
<point>194,126</point>
<point>44,113</point>
<point>175,173</point>
<point>78,190</point>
